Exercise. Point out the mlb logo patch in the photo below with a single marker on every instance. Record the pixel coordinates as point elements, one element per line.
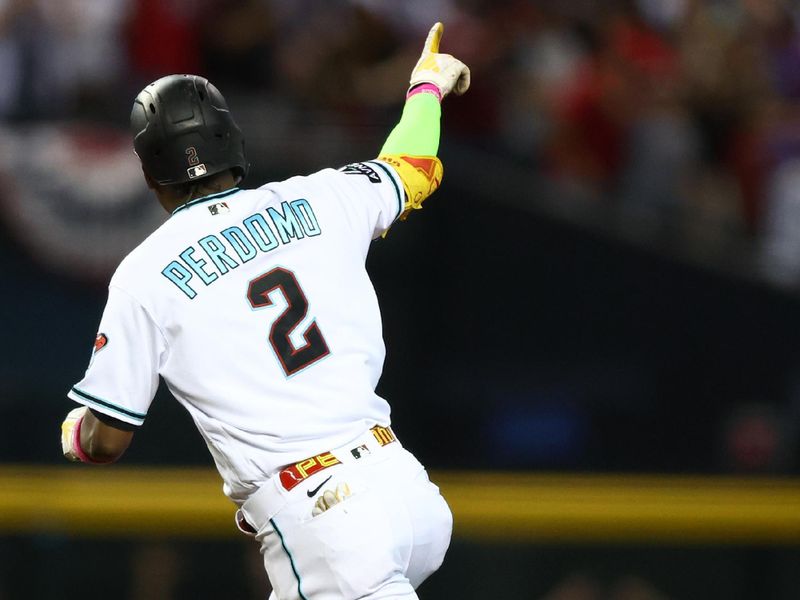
<point>195,172</point>
<point>219,208</point>
<point>360,451</point>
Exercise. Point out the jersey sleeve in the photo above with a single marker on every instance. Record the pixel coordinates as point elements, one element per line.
<point>369,193</point>
<point>122,377</point>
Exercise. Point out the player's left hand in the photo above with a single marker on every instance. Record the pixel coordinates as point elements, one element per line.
<point>442,70</point>
<point>68,431</point>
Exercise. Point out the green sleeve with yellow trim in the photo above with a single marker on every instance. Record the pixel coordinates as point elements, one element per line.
<point>411,149</point>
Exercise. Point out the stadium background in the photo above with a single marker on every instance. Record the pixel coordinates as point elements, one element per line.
<point>608,283</point>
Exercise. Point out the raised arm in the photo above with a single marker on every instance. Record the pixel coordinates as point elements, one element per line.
<point>412,145</point>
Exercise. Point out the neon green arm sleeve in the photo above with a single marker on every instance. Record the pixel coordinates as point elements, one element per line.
<point>417,133</point>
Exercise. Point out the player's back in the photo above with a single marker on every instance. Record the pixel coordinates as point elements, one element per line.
<point>271,333</point>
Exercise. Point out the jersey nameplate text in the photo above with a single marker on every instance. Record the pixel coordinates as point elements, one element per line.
<point>217,254</point>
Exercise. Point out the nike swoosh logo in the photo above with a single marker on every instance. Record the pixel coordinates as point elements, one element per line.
<point>312,493</point>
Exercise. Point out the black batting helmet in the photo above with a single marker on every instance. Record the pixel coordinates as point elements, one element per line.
<point>183,131</point>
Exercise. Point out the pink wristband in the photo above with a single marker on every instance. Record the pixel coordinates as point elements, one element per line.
<point>76,446</point>
<point>425,88</point>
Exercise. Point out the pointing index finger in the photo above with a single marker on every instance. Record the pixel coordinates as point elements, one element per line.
<point>434,37</point>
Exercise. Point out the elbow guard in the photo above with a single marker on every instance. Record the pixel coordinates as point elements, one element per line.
<point>421,176</point>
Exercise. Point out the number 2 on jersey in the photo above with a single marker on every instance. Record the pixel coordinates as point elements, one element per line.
<point>292,359</point>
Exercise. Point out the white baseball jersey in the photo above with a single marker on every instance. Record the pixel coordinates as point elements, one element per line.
<point>256,309</point>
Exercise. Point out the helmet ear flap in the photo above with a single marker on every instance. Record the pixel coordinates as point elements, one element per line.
<point>181,112</point>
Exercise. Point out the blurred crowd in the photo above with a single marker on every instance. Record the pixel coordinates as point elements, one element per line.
<point>682,114</point>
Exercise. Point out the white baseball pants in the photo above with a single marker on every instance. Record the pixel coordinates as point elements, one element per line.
<point>379,543</point>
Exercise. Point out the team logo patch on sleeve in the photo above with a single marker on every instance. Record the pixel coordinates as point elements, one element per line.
<point>362,169</point>
<point>100,342</point>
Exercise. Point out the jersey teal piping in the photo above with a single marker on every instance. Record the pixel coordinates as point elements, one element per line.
<point>394,183</point>
<point>206,198</point>
<point>291,560</point>
<point>123,411</point>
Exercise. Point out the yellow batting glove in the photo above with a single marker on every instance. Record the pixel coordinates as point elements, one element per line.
<point>444,71</point>
<point>70,442</point>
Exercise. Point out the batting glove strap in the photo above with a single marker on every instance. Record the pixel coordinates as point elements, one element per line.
<point>71,437</point>
<point>444,71</point>
<point>425,88</point>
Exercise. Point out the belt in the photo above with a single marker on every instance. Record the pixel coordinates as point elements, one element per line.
<point>293,475</point>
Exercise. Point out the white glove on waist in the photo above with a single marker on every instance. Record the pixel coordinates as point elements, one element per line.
<point>330,498</point>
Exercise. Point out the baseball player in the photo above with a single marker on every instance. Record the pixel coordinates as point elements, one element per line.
<point>256,309</point>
